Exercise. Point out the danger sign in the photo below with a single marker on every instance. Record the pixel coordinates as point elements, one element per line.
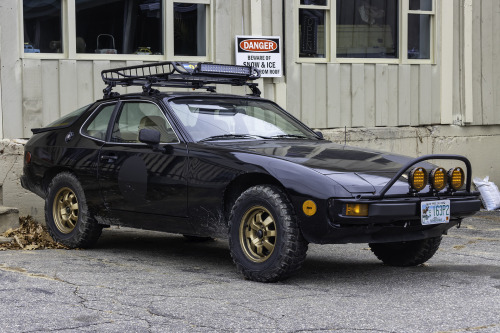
<point>261,52</point>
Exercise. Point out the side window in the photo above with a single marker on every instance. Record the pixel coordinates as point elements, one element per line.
<point>99,125</point>
<point>139,115</point>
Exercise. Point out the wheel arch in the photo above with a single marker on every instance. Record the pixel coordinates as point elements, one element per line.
<point>50,174</point>
<point>244,182</point>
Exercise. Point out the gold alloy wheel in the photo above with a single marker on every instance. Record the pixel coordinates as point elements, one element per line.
<point>65,210</point>
<point>258,234</point>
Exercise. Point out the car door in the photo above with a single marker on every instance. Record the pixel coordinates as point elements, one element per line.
<point>133,176</point>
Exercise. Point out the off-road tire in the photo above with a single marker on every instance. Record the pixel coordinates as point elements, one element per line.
<point>289,246</point>
<point>86,230</point>
<point>404,254</point>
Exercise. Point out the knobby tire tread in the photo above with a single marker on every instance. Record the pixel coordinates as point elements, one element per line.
<point>88,230</point>
<point>405,254</point>
<point>293,250</point>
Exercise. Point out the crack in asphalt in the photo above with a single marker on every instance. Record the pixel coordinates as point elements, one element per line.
<point>341,329</point>
<point>469,329</point>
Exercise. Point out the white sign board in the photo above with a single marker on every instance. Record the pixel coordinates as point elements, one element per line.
<point>262,52</point>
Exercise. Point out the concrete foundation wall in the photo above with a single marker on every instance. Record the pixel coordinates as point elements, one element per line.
<point>11,192</point>
<point>479,144</point>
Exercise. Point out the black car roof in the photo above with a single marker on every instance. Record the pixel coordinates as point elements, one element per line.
<point>176,94</point>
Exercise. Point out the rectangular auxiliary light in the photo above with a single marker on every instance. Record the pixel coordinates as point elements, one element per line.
<point>223,69</point>
<point>356,209</point>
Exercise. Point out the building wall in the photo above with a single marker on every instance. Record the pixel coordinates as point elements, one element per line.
<point>37,91</point>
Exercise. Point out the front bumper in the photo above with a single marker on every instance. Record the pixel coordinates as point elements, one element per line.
<point>390,210</point>
<point>389,220</point>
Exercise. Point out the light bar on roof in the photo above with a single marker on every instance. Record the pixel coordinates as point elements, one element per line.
<point>224,69</point>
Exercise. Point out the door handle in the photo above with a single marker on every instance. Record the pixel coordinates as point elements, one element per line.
<point>110,158</point>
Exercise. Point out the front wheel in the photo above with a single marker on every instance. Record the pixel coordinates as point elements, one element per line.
<point>264,238</point>
<point>405,254</point>
<point>66,213</point>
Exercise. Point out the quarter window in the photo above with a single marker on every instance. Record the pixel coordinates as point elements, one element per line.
<point>98,127</point>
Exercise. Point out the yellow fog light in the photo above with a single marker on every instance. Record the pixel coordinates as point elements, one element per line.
<point>438,178</point>
<point>418,179</point>
<point>356,210</point>
<point>456,178</point>
<point>309,207</point>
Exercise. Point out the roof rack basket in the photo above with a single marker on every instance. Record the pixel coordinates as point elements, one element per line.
<point>179,75</point>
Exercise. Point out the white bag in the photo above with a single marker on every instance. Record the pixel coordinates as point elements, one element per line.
<point>490,196</point>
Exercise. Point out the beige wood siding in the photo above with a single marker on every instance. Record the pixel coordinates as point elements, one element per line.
<point>35,92</point>
<point>483,63</point>
<point>364,95</point>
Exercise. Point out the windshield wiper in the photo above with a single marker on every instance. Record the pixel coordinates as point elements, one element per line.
<point>232,136</point>
<point>293,136</point>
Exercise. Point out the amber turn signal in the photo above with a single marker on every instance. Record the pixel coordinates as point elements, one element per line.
<point>356,210</point>
<point>418,179</point>
<point>438,179</point>
<point>456,178</point>
<point>309,207</point>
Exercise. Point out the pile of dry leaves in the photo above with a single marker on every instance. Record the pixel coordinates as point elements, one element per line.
<point>29,236</point>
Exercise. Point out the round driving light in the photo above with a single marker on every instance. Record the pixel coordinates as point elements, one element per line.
<point>456,178</point>
<point>438,179</point>
<point>309,207</point>
<point>418,179</point>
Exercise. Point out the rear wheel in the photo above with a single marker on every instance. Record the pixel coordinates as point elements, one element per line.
<point>403,254</point>
<point>66,213</point>
<point>264,238</point>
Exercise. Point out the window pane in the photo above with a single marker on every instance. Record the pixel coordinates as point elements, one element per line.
<point>314,2</point>
<point>367,29</point>
<point>119,26</point>
<point>137,116</point>
<point>419,36</point>
<point>420,4</point>
<point>99,125</point>
<point>312,33</point>
<point>42,26</point>
<point>190,28</point>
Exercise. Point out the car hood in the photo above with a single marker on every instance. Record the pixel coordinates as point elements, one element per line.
<point>358,170</point>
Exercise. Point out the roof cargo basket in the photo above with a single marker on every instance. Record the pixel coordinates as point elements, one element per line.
<point>179,75</point>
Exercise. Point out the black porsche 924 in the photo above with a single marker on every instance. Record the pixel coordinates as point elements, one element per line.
<point>210,165</point>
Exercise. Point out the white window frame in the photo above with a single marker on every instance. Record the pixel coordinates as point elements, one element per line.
<point>331,38</point>
<point>68,18</point>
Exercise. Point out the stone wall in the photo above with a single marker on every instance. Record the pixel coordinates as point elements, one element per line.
<point>11,192</point>
<point>479,144</point>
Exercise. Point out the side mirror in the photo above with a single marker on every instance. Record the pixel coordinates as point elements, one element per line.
<point>150,137</point>
<point>319,134</point>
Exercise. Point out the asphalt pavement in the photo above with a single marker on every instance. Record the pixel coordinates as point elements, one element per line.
<point>141,281</point>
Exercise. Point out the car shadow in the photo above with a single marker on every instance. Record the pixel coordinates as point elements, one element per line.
<point>343,264</point>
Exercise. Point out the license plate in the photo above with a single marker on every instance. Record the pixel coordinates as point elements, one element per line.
<point>435,212</point>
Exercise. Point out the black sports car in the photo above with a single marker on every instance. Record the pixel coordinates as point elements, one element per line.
<point>209,165</point>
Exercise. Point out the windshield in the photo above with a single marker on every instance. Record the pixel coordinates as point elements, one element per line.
<point>233,118</point>
<point>69,118</point>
